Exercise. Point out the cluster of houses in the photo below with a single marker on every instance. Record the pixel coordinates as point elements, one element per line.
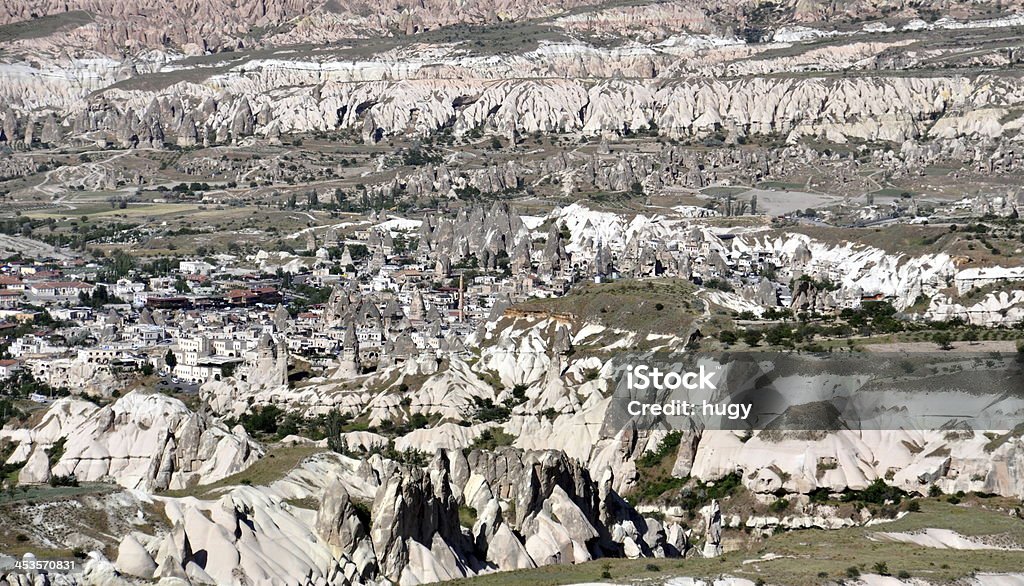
<point>415,291</point>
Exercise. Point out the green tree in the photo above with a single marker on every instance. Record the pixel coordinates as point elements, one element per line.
<point>122,263</point>
<point>334,423</point>
<point>777,335</point>
<point>751,337</point>
<point>943,340</point>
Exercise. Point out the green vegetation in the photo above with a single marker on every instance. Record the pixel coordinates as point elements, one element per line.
<point>656,482</point>
<point>491,439</point>
<point>272,467</point>
<point>627,304</point>
<point>417,157</point>
<point>668,447</point>
<point>720,284</point>
<point>467,516</point>
<point>655,470</point>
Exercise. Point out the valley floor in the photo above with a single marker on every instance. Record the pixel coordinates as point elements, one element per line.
<point>818,556</point>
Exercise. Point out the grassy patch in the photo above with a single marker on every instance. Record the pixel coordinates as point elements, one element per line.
<point>43,492</point>
<point>273,466</point>
<point>666,306</point>
<point>44,26</point>
<point>491,439</point>
<point>995,442</point>
<point>467,516</point>
<point>304,503</point>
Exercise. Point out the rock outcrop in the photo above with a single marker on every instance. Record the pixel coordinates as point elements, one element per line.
<point>145,441</point>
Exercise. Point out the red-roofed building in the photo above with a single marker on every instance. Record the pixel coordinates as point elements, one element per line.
<point>11,282</point>
<point>66,289</point>
<point>45,275</point>
<point>265,295</point>
<point>8,368</point>
<point>10,298</point>
<point>241,297</point>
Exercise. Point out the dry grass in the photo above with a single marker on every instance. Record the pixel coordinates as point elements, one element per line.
<point>274,466</point>
<point>666,306</point>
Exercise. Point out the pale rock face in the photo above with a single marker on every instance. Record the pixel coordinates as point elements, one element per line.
<point>119,25</point>
<point>312,96</point>
<point>36,469</point>
<point>133,559</point>
<point>142,441</point>
<point>713,533</point>
<point>914,460</point>
<point>97,569</point>
<point>249,533</point>
<point>338,523</point>
<point>88,378</point>
<point>63,414</point>
<point>415,510</point>
<point>1004,308</point>
<point>446,436</point>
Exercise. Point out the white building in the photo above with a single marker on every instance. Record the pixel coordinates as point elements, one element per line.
<point>195,267</point>
<point>8,368</point>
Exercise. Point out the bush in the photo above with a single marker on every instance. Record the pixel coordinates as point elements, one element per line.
<point>752,337</point>
<point>491,439</point>
<point>720,284</point>
<point>903,575</point>
<point>668,446</point>
<point>881,568</point>
<point>914,507</point>
<point>467,516</point>
<point>853,572</point>
<point>68,480</point>
<point>877,493</point>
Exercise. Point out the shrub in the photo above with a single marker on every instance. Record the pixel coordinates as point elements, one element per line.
<point>853,572</point>
<point>877,493</point>
<point>881,568</point>
<point>668,446</point>
<point>467,516</point>
<point>68,480</point>
<point>752,337</point>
